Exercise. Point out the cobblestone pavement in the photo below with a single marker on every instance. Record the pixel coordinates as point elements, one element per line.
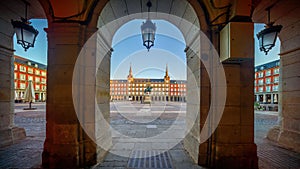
<point>270,155</point>
<point>27,153</point>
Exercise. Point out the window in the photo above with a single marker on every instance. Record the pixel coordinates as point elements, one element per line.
<point>16,67</point>
<point>268,88</point>
<point>276,79</point>
<point>30,78</point>
<point>261,74</point>
<point>22,77</point>
<point>261,81</point>
<point>22,85</point>
<point>37,79</point>
<point>268,80</point>
<point>37,87</point>
<point>276,71</point>
<point>268,73</point>
<point>16,85</point>
<point>37,72</point>
<point>43,80</point>
<point>30,70</point>
<point>260,89</point>
<point>44,73</point>
<point>275,88</point>
<point>22,68</point>
<point>44,88</point>
<point>15,75</point>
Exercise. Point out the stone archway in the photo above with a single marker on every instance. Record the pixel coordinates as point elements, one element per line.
<point>68,145</point>
<point>285,13</point>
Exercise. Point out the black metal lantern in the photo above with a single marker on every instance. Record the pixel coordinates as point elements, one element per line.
<point>268,36</point>
<point>26,34</point>
<point>148,29</point>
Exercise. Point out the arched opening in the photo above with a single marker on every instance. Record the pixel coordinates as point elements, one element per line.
<point>20,128</point>
<point>188,29</point>
<point>281,127</point>
<point>133,69</point>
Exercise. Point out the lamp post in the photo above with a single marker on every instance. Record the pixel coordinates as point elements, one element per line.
<point>148,29</point>
<point>268,36</point>
<point>26,34</point>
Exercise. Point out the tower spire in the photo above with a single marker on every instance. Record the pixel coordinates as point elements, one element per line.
<point>167,73</point>
<point>130,70</point>
<point>167,77</point>
<point>130,76</point>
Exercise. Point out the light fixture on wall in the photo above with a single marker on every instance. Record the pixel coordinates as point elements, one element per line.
<point>148,29</point>
<point>268,36</point>
<point>26,34</point>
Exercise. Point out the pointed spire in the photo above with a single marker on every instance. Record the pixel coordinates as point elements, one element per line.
<point>167,77</point>
<point>130,76</point>
<point>167,73</point>
<point>130,70</point>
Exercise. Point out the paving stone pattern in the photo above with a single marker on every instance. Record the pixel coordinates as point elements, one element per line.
<point>27,153</point>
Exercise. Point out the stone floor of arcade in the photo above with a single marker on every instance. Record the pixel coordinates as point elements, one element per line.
<point>163,152</point>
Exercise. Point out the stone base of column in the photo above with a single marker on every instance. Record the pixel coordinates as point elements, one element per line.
<point>284,138</point>
<point>70,155</point>
<point>190,144</point>
<point>236,156</point>
<point>11,135</point>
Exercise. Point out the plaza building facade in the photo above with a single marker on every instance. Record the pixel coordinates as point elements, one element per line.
<point>26,70</point>
<point>162,89</point>
<point>266,85</point>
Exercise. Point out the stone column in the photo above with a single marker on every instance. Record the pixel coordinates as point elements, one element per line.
<point>257,98</point>
<point>272,98</point>
<point>192,139</point>
<point>9,133</point>
<point>67,144</point>
<point>232,143</point>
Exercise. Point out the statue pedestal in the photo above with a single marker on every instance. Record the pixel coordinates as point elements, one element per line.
<point>147,99</point>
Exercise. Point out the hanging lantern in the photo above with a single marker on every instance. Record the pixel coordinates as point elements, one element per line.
<point>26,34</point>
<point>148,29</point>
<point>268,36</point>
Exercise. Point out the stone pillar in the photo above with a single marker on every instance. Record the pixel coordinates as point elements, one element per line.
<point>9,133</point>
<point>272,98</point>
<point>67,145</point>
<point>192,139</point>
<point>287,134</point>
<point>257,98</point>
<point>233,142</point>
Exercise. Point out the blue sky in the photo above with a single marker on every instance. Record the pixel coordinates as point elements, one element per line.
<point>128,49</point>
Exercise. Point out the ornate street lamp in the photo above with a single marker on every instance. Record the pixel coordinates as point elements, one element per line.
<point>26,34</point>
<point>268,36</point>
<point>148,29</point>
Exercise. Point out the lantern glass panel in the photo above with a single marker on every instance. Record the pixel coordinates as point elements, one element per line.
<point>269,38</point>
<point>19,33</point>
<point>28,37</point>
